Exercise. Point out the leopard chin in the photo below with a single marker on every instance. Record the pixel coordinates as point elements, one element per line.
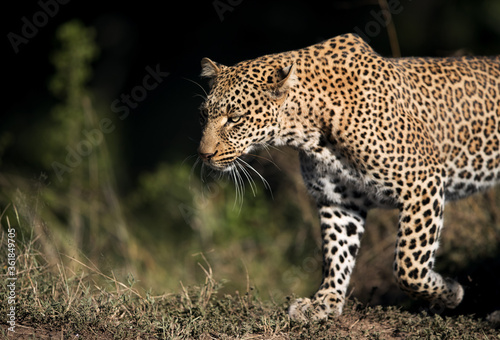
<point>225,165</point>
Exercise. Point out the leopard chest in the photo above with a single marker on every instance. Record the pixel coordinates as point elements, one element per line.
<point>332,176</point>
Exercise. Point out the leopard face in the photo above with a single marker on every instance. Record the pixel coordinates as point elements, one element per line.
<point>241,110</point>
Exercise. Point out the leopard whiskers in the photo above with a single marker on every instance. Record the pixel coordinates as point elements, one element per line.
<point>239,187</point>
<point>205,96</point>
<point>266,159</point>
<point>249,178</point>
<point>205,171</point>
<point>193,167</point>
<point>267,146</point>
<point>202,172</point>
<point>264,181</point>
<point>239,173</point>
<point>196,162</point>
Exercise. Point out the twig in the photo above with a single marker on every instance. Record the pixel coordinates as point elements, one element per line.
<point>391,28</point>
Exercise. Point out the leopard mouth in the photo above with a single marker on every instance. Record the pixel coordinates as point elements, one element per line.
<point>228,164</point>
<point>221,167</point>
<point>222,164</point>
<point>237,168</point>
<point>225,162</point>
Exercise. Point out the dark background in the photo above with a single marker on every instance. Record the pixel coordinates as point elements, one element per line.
<point>178,34</point>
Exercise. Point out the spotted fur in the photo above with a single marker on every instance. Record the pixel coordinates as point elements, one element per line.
<point>406,133</point>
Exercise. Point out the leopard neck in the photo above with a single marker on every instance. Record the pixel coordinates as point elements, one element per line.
<point>308,116</point>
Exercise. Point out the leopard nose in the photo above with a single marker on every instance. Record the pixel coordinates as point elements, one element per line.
<point>206,156</point>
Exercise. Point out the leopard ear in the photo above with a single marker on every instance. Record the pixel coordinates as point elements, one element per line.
<point>288,79</point>
<point>209,69</point>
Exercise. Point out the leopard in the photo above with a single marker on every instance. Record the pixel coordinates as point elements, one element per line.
<point>406,133</point>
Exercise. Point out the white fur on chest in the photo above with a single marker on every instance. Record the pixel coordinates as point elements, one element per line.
<point>329,175</point>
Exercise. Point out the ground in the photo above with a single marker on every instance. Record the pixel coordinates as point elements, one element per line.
<point>246,317</point>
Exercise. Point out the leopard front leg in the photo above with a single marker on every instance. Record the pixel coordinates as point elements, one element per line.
<point>420,223</point>
<point>341,230</point>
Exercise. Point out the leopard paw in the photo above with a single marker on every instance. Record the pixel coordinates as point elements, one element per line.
<point>305,309</point>
<point>453,299</point>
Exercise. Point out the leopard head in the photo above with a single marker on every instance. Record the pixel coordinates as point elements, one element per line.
<point>242,109</point>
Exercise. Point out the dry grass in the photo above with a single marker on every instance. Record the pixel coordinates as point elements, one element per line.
<point>80,301</point>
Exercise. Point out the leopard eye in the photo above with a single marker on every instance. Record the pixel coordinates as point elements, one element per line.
<point>235,119</point>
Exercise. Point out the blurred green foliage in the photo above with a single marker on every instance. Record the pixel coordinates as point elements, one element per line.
<point>72,62</point>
